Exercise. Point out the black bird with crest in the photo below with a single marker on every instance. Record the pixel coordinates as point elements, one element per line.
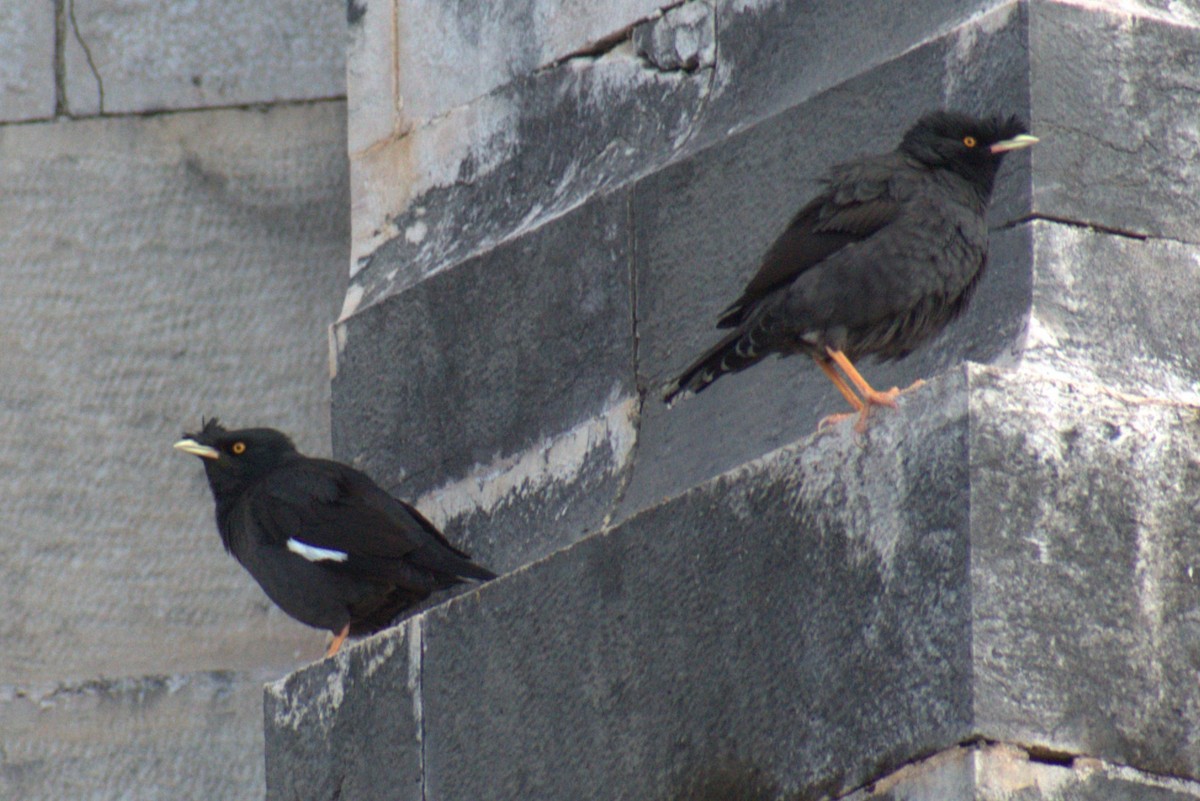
<point>882,259</point>
<point>328,545</point>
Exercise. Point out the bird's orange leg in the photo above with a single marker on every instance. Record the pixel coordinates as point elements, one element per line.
<point>843,388</point>
<point>870,396</point>
<point>337,641</point>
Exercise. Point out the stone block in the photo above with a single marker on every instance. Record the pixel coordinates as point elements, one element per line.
<point>1007,558</point>
<point>542,143</point>
<point>412,61</point>
<point>1085,592</point>
<point>1001,772</point>
<point>1115,310</point>
<point>353,729</point>
<point>156,269</point>
<point>441,389</point>
<point>1116,96</point>
<point>157,738</point>
<point>127,56</point>
<point>27,70</point>
<point>731,624</point>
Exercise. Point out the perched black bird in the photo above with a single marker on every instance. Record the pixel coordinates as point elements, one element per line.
<point>888,254</point>
<point>323,540</point>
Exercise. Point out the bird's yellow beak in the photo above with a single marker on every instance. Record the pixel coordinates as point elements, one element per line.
<point>196,449</point>
<point>1016,143</point>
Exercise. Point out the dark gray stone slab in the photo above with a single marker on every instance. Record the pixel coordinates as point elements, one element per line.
<point>1086,594</point>
<point>803,618</point>
<point>525,344</point>
<point>1010,558</point>
<point>1117,100</point>
<point>349,727</point>
<point>514,511</point>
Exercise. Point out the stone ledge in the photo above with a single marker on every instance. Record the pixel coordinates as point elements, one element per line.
<point>1007,557</point>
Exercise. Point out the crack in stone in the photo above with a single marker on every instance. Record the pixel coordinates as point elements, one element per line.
<point>1091,226</point>
<point>606,44</point>
<point>87,52</point>
<point>627,473</point>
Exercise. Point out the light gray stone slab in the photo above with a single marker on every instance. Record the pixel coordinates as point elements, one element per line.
<point>413,60</point>
<point>1004,772</point>
<point>1116,98</point>
<point>155,270</point>
<point>159,738</point>
<point>138,55</point>
<point>27,68</point>
<point>1115,310</point>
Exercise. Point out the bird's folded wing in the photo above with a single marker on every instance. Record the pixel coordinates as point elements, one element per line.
<point>330,506</point>
<point>823,227</point>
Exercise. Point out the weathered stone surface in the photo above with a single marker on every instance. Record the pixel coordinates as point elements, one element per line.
<point>349,728</point>
<point>417,59</point>
<point>27,69</point>
<point>1006,558</point>
<point>1001,772</point>
<point>522,155</point>
<point>1116,310</point>
<point>140,55</point>
<point>1116,98</point>
<point>1083,578</point>
<point>195,736</point>
<point>442,389</point>
<point>731,624</point>
<point>617,116</point>
<point>155,269</point>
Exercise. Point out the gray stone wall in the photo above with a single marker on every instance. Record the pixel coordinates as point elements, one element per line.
<point>990,595</point>
<point>174,202</point>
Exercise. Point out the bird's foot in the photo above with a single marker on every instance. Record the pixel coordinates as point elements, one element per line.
<point>914,385</point>
<point>875,398</point>
<point>833,419</point>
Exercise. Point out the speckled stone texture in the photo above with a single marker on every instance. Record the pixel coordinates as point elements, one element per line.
<point>155,270</point>
<point>123,56</point>
<point>818,616</point>
<point>27,69</point>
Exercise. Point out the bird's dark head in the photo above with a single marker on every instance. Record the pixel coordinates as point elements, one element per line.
<point>234,459</point>
<point>973,147</point>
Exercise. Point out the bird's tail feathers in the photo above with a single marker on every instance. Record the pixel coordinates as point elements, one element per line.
<point>735,352</point>
<point>450,564</point>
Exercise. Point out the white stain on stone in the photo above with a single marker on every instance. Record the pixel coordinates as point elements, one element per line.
<point>415,233</point>
<point>354,296</point>
<point>413,682</point>
<point>555,460</point>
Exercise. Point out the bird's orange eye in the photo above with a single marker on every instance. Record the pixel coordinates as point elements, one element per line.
<point>238,448</point>
<point>969,141</point>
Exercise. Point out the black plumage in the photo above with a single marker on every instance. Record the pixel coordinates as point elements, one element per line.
<point>883,258</point>
<point>325,542</point>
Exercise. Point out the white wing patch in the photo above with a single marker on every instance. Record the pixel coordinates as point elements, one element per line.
<point>314,554</point>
